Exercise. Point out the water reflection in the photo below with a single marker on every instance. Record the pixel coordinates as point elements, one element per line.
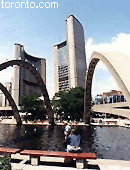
<point>106,142</point>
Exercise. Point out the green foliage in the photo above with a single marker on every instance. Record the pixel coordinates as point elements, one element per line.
<point>5,163</point>
<point>32,104</point>
<point>69,105</point>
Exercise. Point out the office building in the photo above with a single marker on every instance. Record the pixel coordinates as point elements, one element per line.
<point>70,58</point>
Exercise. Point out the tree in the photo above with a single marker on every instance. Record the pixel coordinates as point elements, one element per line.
<point>69,105</point>
<point>32,104</point>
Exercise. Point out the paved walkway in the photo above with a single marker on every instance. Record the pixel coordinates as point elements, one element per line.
<point>102,164</point>
<point>13,121</point>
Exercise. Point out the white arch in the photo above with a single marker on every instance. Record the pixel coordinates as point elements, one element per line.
<point>119,66</point>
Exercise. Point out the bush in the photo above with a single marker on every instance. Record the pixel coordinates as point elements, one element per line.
<point>5,163</point>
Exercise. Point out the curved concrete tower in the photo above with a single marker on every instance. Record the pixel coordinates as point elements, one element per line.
<point>24,83</point>
<point>70,58</point>
<point>15,83</point>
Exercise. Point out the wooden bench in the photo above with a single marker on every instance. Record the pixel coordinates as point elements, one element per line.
<point>80,157</point>
<point>9,151</point>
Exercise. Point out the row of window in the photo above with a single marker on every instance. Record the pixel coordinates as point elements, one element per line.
<point>63,71</point>
<point>62,68</point>
<point>64,85</point>
<point>63,75</point>
<point>109,99</point>
<point>64,88</point>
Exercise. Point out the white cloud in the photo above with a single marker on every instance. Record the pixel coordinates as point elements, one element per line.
<point>119,43</point>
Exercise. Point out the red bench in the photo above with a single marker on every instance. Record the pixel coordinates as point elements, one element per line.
<point>9,150</point>
<point>35,156</point>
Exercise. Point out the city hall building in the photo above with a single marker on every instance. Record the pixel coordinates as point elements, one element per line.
<point>23,81</point>
<point>70,58</point>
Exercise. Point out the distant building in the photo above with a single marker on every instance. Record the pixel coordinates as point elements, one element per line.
<point>69,58</point>
<point>24,82</point>
<point>113,96</point>
<point>98,99</point>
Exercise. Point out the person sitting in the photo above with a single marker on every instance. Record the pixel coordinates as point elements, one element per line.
<point>73,142</point>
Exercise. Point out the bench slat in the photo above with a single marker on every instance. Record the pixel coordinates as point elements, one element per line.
<point>59,154</point>
<point>9,150</point>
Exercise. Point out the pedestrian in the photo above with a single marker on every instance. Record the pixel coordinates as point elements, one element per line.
<point>67,130</point>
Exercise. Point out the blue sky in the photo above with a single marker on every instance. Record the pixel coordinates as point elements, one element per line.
<point>105,23</point>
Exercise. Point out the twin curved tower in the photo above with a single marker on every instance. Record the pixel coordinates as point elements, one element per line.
<point>70,67</point>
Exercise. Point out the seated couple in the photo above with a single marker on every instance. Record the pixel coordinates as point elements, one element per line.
<point>73,141</point>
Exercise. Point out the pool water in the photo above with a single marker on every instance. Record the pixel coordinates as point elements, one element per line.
<point>106,142</point>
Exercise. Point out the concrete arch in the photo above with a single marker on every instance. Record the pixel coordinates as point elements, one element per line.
<point>119,67</point>
<point>12,104</point>
<point>40,81</point>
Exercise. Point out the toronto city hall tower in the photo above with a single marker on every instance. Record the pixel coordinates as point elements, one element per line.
<point>69,58</point>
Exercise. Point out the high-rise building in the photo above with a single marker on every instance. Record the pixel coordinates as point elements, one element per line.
<point>69,58</point>
<point>24,82</point>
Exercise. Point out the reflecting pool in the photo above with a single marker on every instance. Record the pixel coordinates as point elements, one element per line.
<point>106,142</point>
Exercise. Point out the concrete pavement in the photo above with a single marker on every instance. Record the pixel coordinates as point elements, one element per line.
<point>102,164</point>
<point>99,164</point>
